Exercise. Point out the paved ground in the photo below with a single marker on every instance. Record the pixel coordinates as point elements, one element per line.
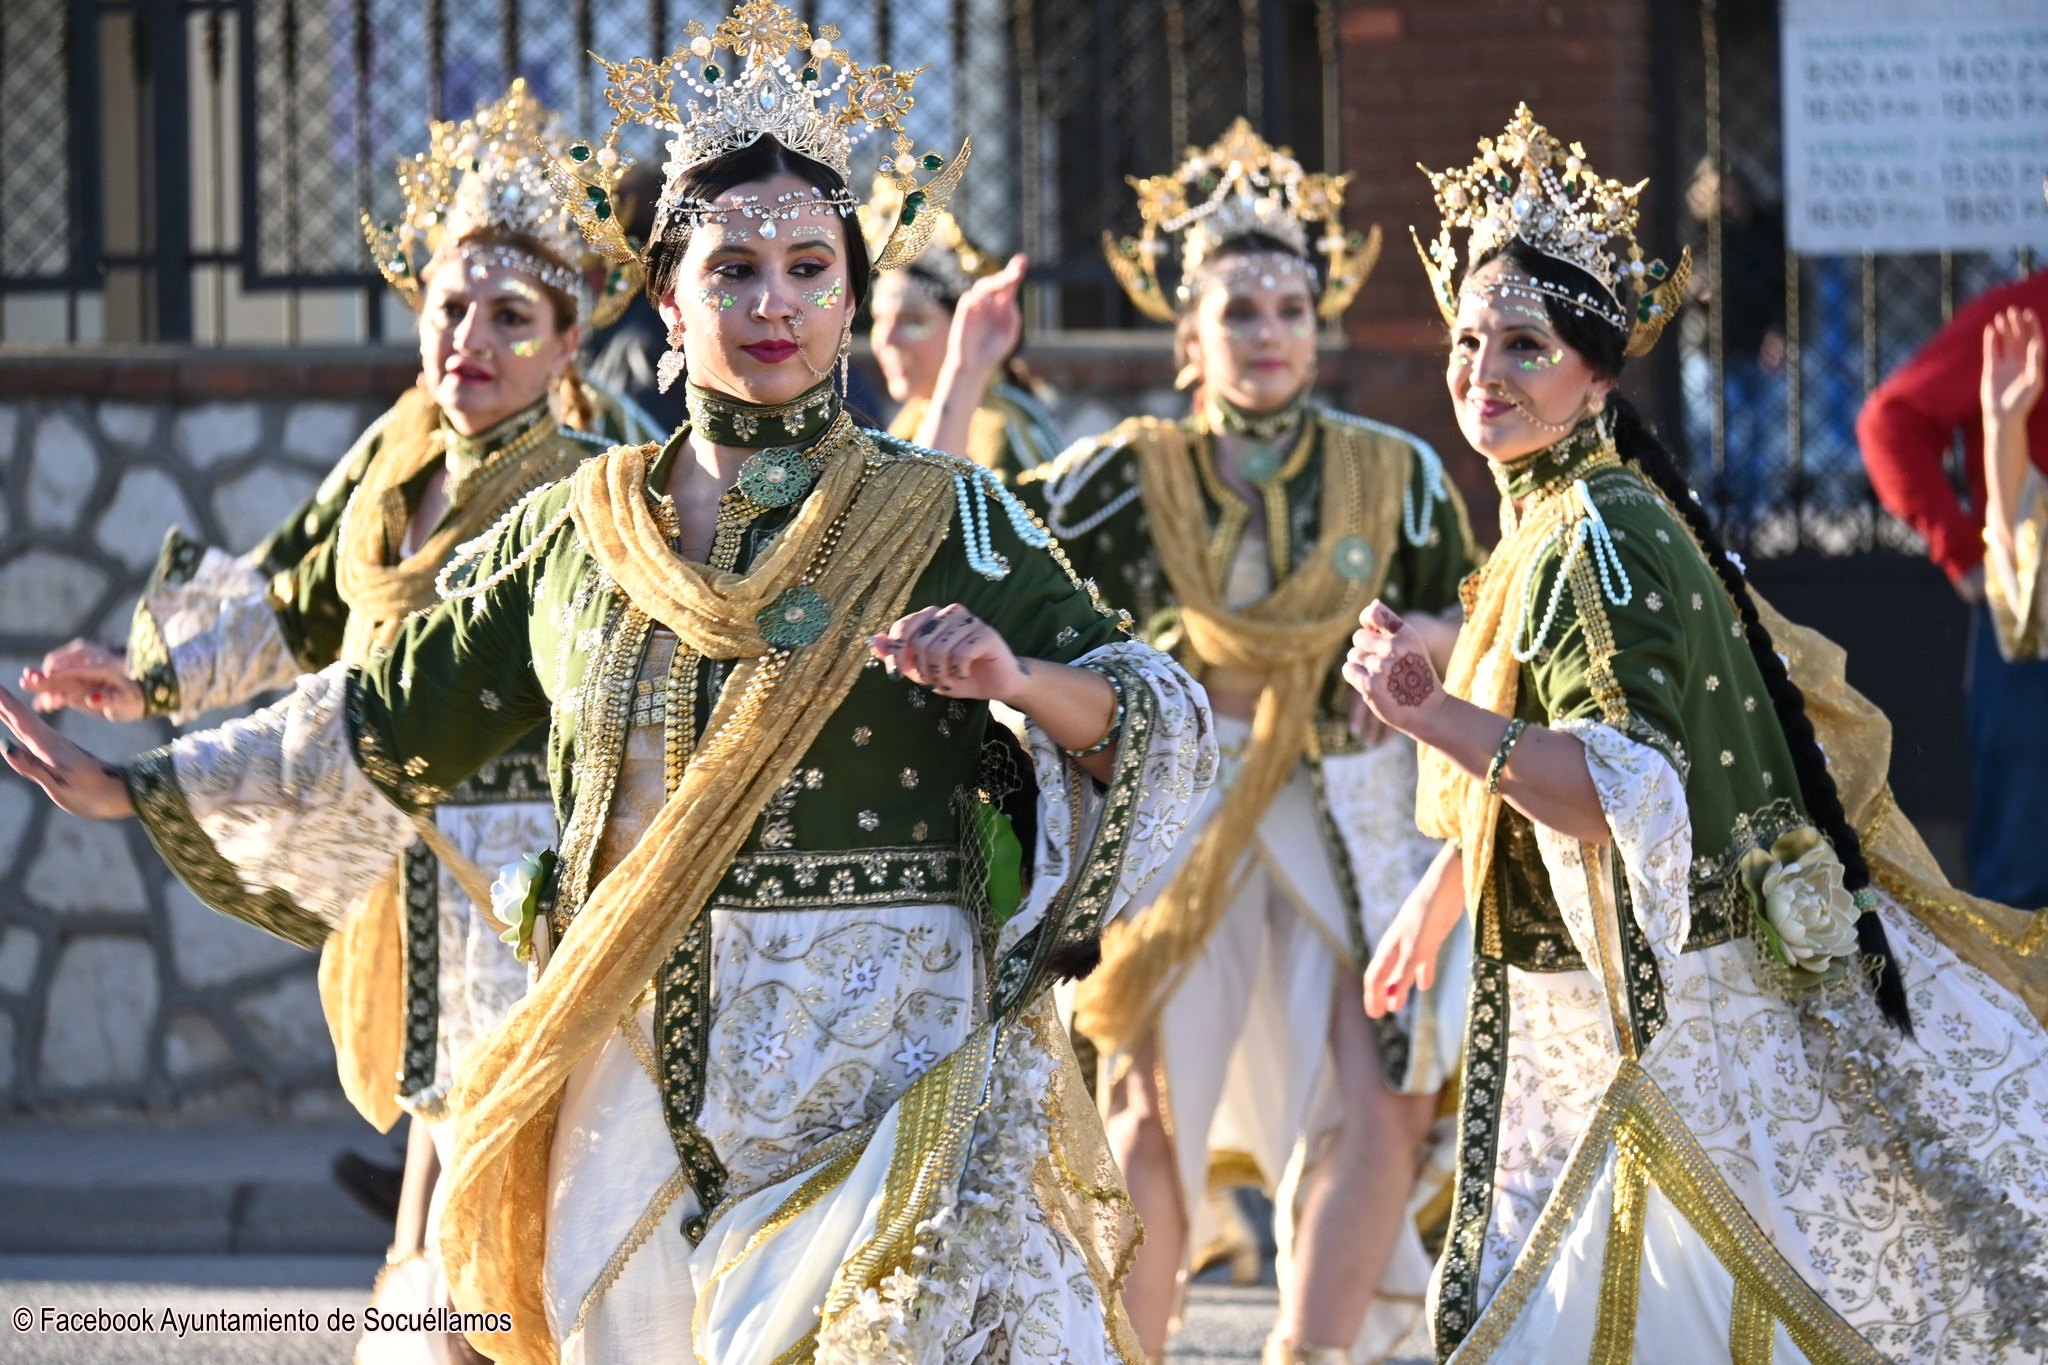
<point>244,1217</point>
<point>1225,1325</point>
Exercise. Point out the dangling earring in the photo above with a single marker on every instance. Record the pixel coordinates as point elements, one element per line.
<point>845,355</point>
<point>671,363</point>
<point>1597,404</point>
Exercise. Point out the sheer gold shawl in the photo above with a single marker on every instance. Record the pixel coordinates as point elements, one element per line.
<point>2010,946</point>
<point>861,541</point>
<point>362,965</point>
<point>1289,639</point>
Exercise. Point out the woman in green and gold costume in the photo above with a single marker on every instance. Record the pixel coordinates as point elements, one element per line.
<point>1246,538</point>
<point>498,273</point>
<point>789,1084</point>
<point>1744,1077</point>
<point>946,332</point>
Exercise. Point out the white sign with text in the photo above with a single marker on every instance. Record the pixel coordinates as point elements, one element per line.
<point>1915,125</point>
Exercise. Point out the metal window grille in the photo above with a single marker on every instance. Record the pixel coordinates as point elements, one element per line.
<point>1776,361</point>
<point>192,170</point>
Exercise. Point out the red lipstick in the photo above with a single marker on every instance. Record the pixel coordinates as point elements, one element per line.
<point>771,352</point>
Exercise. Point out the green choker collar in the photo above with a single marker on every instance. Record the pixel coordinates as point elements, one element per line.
<point>468,457</point>
<point>1545,469</point>
<point>1221,415</point>
<point>729,422</point>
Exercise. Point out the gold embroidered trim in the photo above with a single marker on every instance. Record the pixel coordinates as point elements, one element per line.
<point>607,692</point>
<point>636,1236</point>
<point>1752,1336</point>
<point>190,851</point>
<point>1621,1265</point>
<point>1636,1114</point>
<point>934,1124</point>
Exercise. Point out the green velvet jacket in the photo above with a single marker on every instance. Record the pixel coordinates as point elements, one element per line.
<point>875,813</point>
<point>1090,498</point>
<point>1656,650</point>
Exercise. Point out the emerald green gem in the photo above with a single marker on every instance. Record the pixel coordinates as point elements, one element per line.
<point>908,216</point>
<point>809,74</point>
<point>1355,241</point>
<point>579,153</point>
<point>795,619</point>
<point>596,193</point>
<point>915,199</point>
<point>1658,270</point>
<point>933,161</point>
<point>604,211</point>
<point>712,73</point>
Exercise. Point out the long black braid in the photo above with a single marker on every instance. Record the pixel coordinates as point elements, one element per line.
<point>1603,348</point>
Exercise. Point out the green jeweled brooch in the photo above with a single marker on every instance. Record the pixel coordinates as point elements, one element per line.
<point>795,618</point>
<point>1259,464</point>
<point>1353,557</point>
<point>775,477</point>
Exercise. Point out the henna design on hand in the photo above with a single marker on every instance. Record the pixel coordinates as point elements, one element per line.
<point>1411,680</point>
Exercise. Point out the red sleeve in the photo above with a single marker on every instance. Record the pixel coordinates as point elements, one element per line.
<point>1908,426</point>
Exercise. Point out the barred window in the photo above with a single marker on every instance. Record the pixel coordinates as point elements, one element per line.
<point>291,114</point>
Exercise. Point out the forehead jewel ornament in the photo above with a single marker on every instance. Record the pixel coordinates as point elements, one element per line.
<point>1239,186</point>
<point>1527,185</point>
<point>492,171</point>
<point>762,73</point>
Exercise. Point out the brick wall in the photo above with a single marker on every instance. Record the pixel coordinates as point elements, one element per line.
<point>1423,81</point>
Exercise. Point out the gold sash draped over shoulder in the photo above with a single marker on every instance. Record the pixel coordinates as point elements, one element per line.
<point>1289,639</point>
<point>1450,803</point>
<point>861,541</point>
<point>362,964</point>
<point>2008,945</point>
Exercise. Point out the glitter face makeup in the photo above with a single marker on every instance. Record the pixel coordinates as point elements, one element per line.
<point>1544,362</point>
<point>526,348</point>
<point>829,296</point>
<point>717,300</point>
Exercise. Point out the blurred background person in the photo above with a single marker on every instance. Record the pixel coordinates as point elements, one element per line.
<point>1907,430</point>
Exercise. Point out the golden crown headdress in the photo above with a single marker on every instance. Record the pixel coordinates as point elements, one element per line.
<point>762,73</point>
<point>1239,186</point>
<point>493,171</point>
<point>1526,184</point>
<point>949,258</point>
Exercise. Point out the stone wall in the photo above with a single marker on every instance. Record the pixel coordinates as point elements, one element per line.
<point>118,989</point>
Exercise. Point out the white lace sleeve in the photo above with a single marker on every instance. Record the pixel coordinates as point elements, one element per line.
<point>1651,825</point>
<point>1109,841</point>
<point>268,818</point>
<point>206,635</point>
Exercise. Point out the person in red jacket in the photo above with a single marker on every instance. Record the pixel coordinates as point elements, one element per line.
<point>1906,430</point>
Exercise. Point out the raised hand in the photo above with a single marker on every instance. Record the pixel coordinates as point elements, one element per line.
<point>987,322</point>
<point>2014,367</point>
<point>953,652</point>
<point>77,781</point>
<point>84,677</point>
<point>1389,666</point>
